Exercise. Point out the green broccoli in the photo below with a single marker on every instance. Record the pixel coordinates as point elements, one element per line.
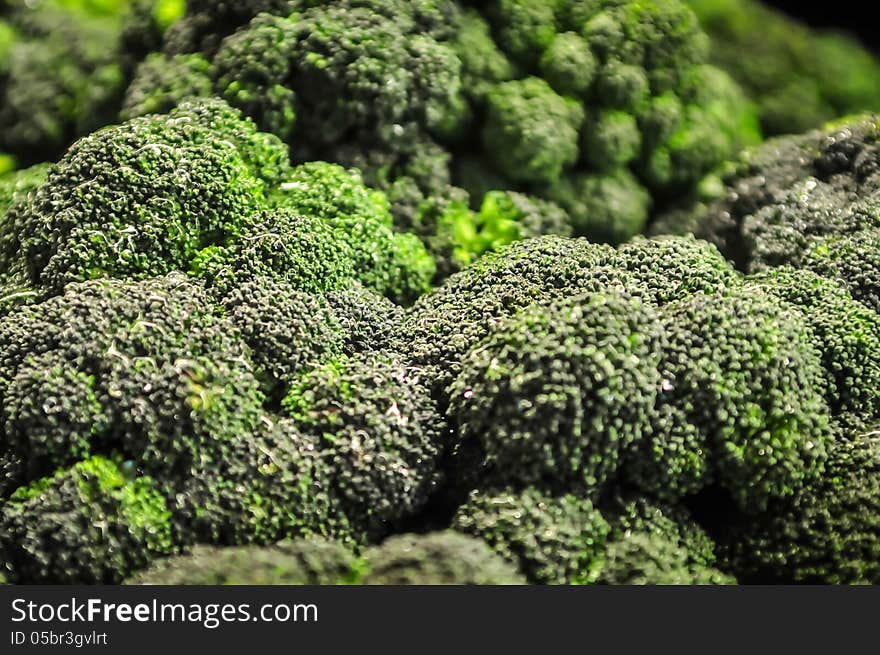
<point>93,523</point>
<point>304,562</point>
<point>446,557</point>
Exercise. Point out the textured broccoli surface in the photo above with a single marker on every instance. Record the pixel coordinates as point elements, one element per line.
<point>305,562</point>
<point>439,558</point>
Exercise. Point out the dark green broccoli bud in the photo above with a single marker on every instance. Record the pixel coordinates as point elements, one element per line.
<point>799,77</point>
<point>531,132</point>
<point>846,333</point>
<point>609,208</point>
<point>437,558</point>
<point>161,83</point>
<point>15,186</point>
<point>622,86</point>
<point>801,196</point>
<point>272,482</point>
<point>149,370</point>
<point>551,540</point>
<point>526,28</point>
<point>828,533</point>
<point>144,25</point>
<point>628,515</point>
<point>251,68</point>
<point>670,268</point>
<point>854,260</point>
<point>301,251</point>
<point>396,265</point>
<point>288,331</point>
<point>569,65</point>
<point>443,326</point>
<point>61,77</point>
<point>15,189</point>
<point>557,394</point>
<point>649,559</point>
<point>369,322</point>
<point>483,65</point>
<point>379,431</point>
<point>745,386</point>
<point>612,139</point>
<point>304,562</point>
<point>143,198</point>
<point>94,523</point>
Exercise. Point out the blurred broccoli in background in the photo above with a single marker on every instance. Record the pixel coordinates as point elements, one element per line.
<point>799,77</point>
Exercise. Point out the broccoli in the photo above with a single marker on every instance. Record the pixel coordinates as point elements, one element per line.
<point>304,562</point>
<point>825,534</point>
<point>551,540</point>
<point>799,77</point>
<point>806,201</point>
<point>62,74</point>
<point>607,108</point>
<point>649,559</point>
<point>446,557</point>
<point>93,523</point>
<point>556,394</point>
<point>378,430</point>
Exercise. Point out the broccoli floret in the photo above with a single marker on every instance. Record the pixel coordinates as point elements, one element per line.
<point>556,395</point>
<point>853,260</point>
<point>551,540</point>
<point>569,65</point>
<point>393,264</point>
<point>288,331</point>
<point>143,198</point>
<point>649,559</point>
<point>827,533</point>
<point>161,83</point>
<point>437,558</point>
<point>531,132</point>
<point>93,523</point>
<point>443,326</point>
<point>742,401</point>
<point>378,430</point>
<point>369,322</point>
<point>609,208</point>
<point>483,65</point>
<point>149,370</point>
<point>846,333</point>
<point>304,562</point>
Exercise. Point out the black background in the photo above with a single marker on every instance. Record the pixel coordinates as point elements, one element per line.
<point>850,15</point>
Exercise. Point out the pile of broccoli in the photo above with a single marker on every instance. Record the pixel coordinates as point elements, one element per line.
<point>591,113</point>
<point>206,346</point>
<point>255,332</point>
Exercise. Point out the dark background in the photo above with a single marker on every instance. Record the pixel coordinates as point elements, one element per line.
<point>850,15</point>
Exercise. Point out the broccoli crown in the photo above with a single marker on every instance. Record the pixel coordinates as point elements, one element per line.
<point>369,322</point>
<point>93,523</point>
<point>437,558</point>
<point>649,559</point>
<point>556,394</point>
<point>61,76</point>
<point>798,77</point>
<point>551,540</point>
<point>846,333</point>
<point>825,534</point>
<point>378,430</point>
<point>301,562</point>
<point>563,100</point>
<point>444,325</point>
<point>744,386</point>
<point>806,201</point>
<point>142,198</point>
<point>147,369</point>
<point>393,264</point>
